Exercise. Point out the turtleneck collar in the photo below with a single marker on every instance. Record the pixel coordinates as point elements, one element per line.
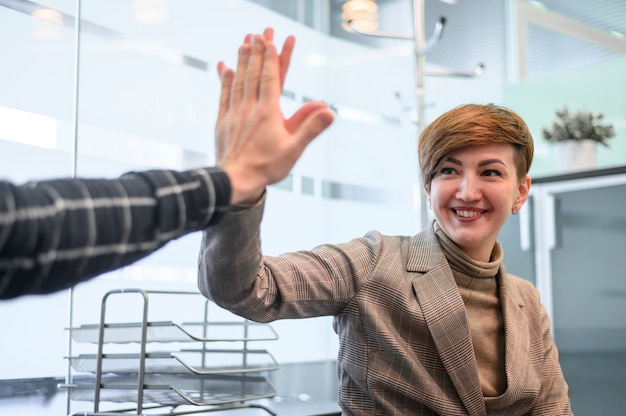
<point>461,262</point>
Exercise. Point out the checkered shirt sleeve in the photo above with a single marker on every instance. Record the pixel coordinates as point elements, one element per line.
<point>56,233</point>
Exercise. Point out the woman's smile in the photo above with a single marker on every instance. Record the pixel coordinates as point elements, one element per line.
<point>467,214</point>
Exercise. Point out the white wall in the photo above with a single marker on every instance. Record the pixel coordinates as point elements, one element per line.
<point>140,107</point>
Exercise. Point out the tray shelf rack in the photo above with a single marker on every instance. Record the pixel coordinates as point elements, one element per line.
<point>199,377</point>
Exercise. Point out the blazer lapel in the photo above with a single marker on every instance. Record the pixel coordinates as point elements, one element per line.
<point>516,334</point>
<point>444,312</point>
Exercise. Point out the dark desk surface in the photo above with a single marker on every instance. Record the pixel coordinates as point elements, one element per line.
<point>57,405</point>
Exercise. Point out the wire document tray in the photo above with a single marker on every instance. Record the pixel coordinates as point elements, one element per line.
<point>200,362</point>
<point>174,332</point>
<point>176,390</point>
<point>206,364</point>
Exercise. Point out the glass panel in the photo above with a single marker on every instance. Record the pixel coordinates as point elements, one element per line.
<point>36,142</point>
<point>590,297</point>
<point>37,100</point>
<point>148,97</point>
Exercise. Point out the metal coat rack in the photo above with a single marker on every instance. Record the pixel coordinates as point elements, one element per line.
<point>422,47</point>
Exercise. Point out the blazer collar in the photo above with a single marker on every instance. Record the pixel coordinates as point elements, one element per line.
<point>444,312</point>
<point>425,254</point>
<point>516,330</point>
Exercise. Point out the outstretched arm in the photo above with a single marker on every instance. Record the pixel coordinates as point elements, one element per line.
<point>255,144</point>
<point>56,233</point>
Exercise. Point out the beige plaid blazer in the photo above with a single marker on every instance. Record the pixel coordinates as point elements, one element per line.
<point>405,346</point>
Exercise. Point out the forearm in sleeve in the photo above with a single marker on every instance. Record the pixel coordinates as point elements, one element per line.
<point>235,275</point>
<point>56,233</point>
<point>230,257</point>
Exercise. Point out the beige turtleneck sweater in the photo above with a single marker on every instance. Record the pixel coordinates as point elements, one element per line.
<point>479,290</point>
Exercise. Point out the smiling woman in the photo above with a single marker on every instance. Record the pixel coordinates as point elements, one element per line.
<point>439,303</point>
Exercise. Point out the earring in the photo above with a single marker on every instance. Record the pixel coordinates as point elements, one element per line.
<point>430,204</point>
<point>515,210</point>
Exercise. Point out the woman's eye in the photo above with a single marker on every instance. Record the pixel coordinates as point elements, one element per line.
<point>447,171</point>
<point>491,172</point>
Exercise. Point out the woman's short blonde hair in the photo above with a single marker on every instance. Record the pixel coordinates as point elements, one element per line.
<point>473,124</point>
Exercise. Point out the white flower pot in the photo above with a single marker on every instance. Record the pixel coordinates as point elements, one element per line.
<point>575,155</point>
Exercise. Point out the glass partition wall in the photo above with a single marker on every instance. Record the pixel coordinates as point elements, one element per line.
<point>135,87</point>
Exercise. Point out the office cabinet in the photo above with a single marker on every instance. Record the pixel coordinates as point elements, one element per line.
<point>570,240</point>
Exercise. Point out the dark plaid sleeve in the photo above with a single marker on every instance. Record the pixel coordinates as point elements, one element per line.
<point>54,234</point>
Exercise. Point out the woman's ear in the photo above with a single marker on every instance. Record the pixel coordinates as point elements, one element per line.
<point>524,189</point>
<point>427,191</point>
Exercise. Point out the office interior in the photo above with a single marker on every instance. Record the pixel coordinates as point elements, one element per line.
<point>93,88</point>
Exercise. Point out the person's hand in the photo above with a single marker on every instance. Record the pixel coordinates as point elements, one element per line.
<point>284,59</point>
<point>255,145</point>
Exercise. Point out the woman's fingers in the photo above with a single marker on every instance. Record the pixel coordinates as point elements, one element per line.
<point>236,93</point>
<point>285,58</point>
<point>251,66</point>
<point>270,86</point>
<point>226,79</point>
<point>255,69</point>
<point>309,121</point>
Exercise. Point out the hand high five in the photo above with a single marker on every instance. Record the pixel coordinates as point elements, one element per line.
<point>255,144</point>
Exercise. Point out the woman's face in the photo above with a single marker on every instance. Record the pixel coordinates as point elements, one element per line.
<point>473,193</point>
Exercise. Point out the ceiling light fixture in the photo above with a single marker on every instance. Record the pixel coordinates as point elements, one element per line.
<point>362,14</point>
<point>47,23</point>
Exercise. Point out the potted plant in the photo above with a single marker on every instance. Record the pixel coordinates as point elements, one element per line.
<point>575,137</point>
